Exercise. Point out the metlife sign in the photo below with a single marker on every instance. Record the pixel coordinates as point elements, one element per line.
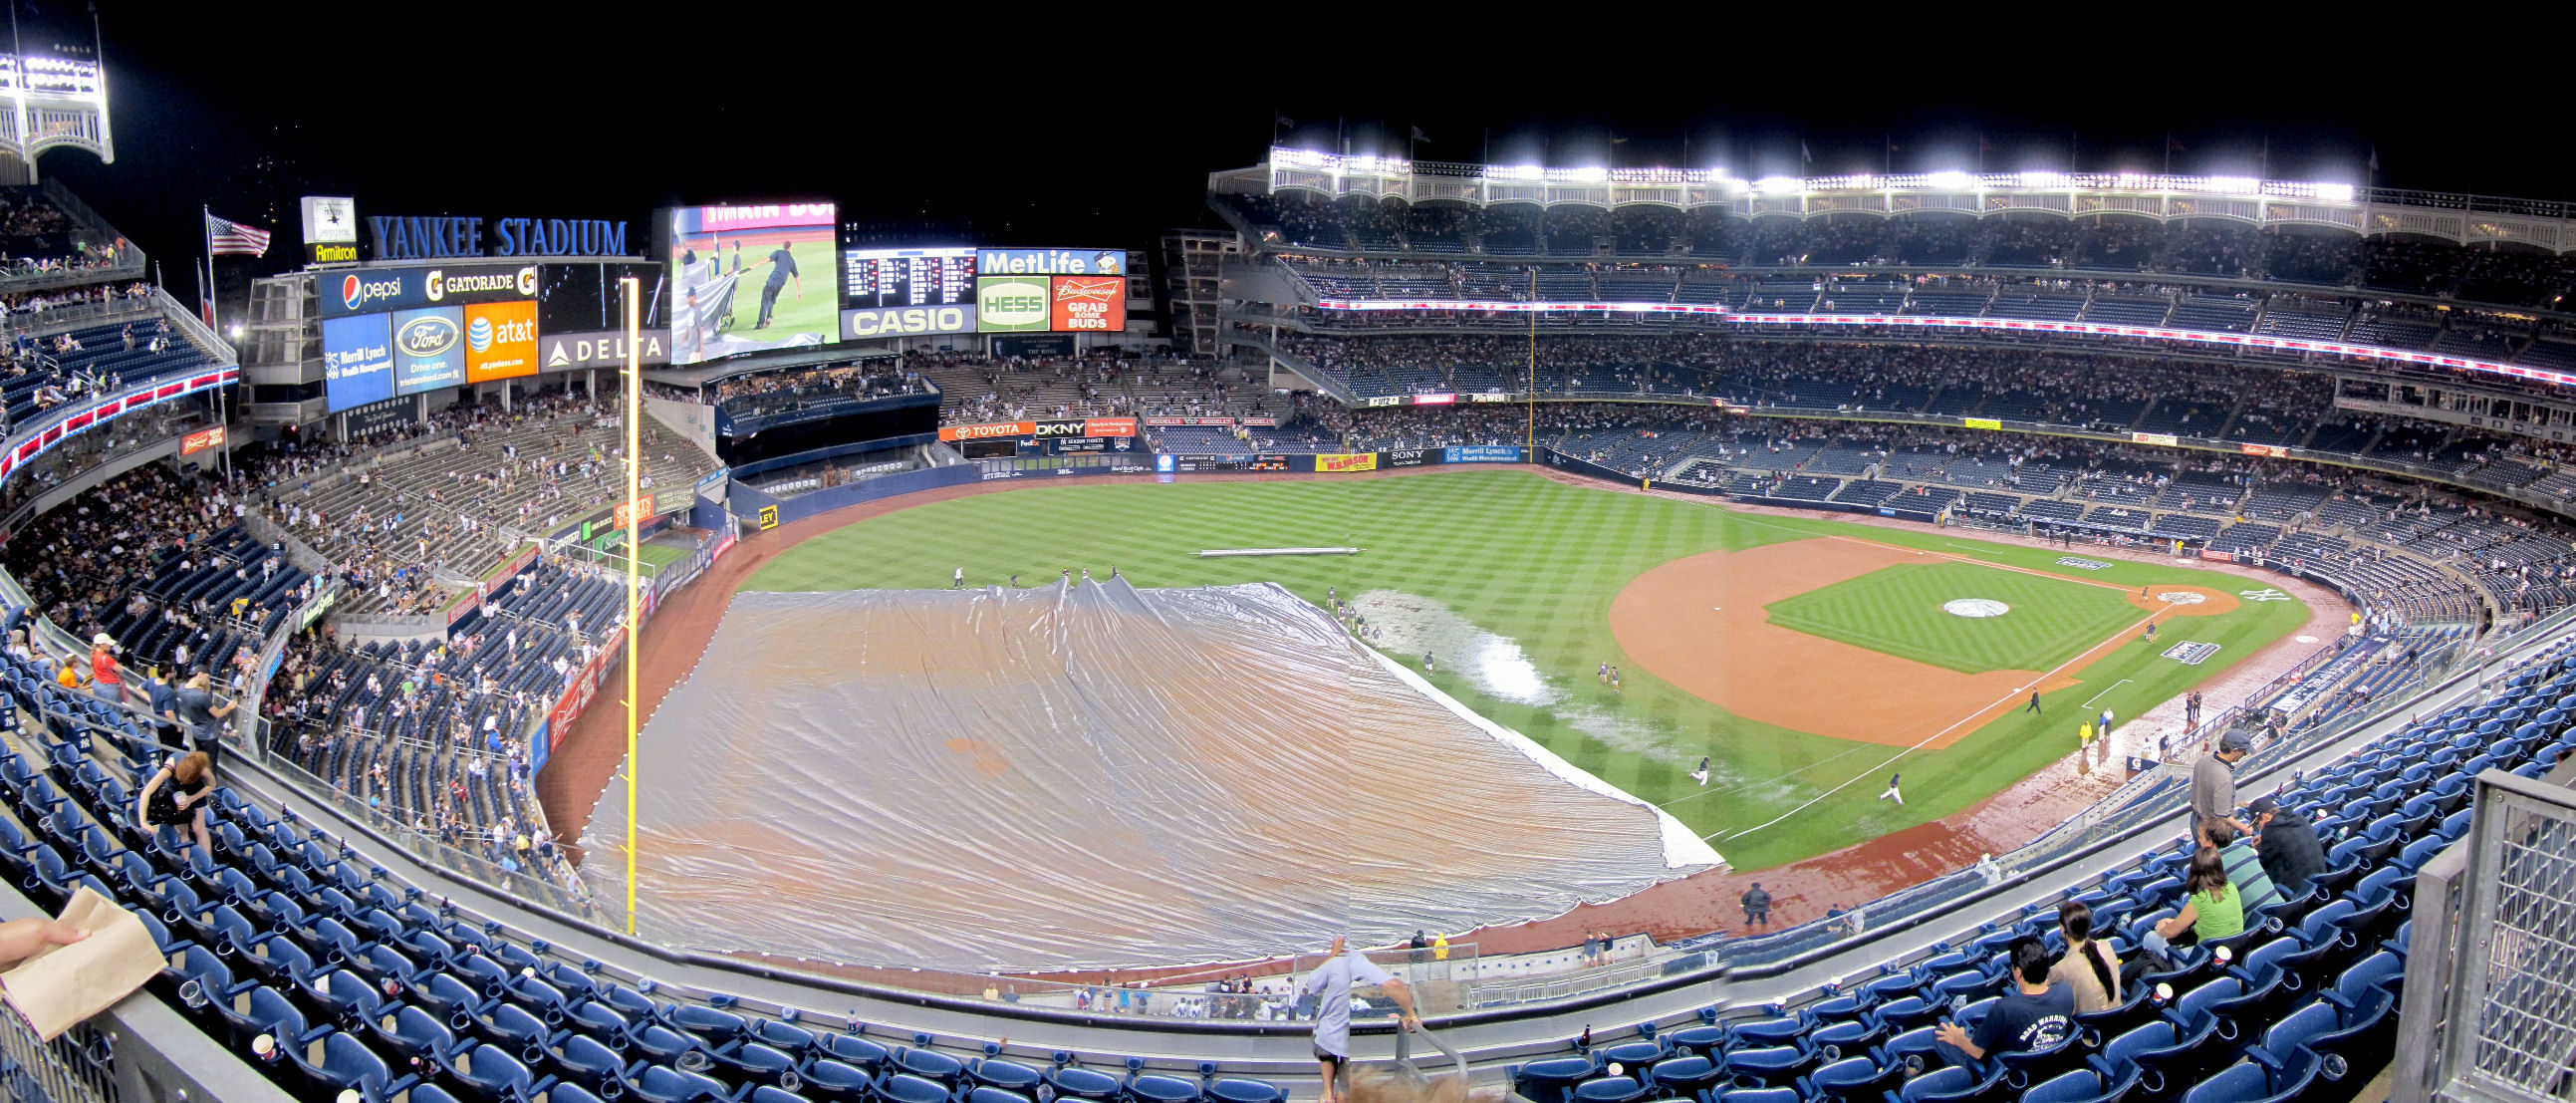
<point>1051,262</point>
<point>371,290</point>
<point>873,323</point>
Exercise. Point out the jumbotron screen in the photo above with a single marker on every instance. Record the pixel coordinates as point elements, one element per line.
<point>751,277</point>
<point>907,292</point>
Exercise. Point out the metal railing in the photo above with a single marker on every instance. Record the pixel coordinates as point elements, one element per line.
<point>2506,1023</point>
<point>77,1067</point>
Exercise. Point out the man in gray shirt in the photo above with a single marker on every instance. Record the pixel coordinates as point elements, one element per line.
<point>2213,782</point>
<point>1331,982</point>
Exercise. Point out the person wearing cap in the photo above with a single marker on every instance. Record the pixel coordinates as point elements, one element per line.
<point>2213,781</point>
<point>105,679</point>
<point>2287,844</point>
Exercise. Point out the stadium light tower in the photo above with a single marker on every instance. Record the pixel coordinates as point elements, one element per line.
<point>634,559</point>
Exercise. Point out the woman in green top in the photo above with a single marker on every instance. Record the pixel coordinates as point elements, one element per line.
<point>2213,910</point>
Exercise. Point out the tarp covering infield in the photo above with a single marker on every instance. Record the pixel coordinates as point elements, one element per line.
<point>1090,776</point>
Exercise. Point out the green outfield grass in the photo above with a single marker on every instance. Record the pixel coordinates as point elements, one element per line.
<point>1539,562</point>
<point>818,312</point>
<point>1897,610</point>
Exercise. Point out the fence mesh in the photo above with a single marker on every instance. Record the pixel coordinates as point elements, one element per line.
<point>2524,1041</point>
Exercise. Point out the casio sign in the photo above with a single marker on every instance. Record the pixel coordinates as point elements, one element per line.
<point>426,336</point>
<point>938,319</point>
<point>356,293</point>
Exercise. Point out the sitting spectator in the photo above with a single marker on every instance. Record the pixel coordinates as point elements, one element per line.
<point>2036,1013</point>
<point>2288,845</point>
<point>2211,910</point>
<point>2244,866</point>
<point>2090,969</point>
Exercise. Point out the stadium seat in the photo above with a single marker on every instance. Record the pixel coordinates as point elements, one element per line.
<point>1852,1080</point>
<point>1609,1089</point>
<point>2081,1086</point>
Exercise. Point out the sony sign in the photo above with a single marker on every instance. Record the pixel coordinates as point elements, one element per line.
<point>864,323</point>
<point>567,351</point>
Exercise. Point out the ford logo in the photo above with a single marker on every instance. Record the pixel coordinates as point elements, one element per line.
<point>428,336</point>
<point>479,335</point>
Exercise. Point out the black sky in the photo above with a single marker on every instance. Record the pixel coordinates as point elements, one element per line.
<point>1072,135</point>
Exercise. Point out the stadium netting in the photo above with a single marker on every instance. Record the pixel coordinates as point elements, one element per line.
<point>1089,776</point>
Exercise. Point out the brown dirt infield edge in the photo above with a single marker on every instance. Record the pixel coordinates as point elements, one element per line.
<point>1675,619</point>
<point>680,630</point>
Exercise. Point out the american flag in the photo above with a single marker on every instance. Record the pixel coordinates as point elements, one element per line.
<point>227,238</point>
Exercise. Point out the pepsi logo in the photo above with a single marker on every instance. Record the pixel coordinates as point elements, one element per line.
<point>426,336</point>
<point>349,291</point>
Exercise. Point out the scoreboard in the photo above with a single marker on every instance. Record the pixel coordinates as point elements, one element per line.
<point>879,278</point>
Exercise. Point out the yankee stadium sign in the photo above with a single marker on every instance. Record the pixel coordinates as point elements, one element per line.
<point>416,237</point>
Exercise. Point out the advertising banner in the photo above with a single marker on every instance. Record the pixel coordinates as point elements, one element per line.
<point>429,348</point>
<point>568,351</point>
<point>869,322</point>
<point>378,289</point>
<point>1383,400</point>
<point>640,509</point>
<point>1995,424</point>
<point>1057,428</point>
<point>2166,439</point>
<point>989,431</point>
<point>1090,304</point>
<point>1012,304</point>
<point>1161,420</point>
<point>2264,450</point>
<point>1109,427</point>
<point>1051,262</point>
<point>1489,396</point>
<point>1406,457</point>
<point>1434,399</point>
<point>1341,461</point>
<point>1483,453</point>
<point>197,442</point>
<point>583,684</point>
<point>500,341</point>
<point>357,360</point>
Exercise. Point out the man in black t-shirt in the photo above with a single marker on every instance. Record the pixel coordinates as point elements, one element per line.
<point>2288,845</point>
<point>165,709</point>
<point>782,267</point>
<point>2035,1014</point>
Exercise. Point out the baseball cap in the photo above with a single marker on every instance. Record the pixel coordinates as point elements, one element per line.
<point>102,640</point>
<point>2263,806</point>
<point>2236,741</point>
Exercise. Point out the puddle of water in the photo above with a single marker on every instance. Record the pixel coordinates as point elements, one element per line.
<point>1407,625</point>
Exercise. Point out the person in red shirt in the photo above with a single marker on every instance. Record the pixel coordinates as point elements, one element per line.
<point>105,679</point>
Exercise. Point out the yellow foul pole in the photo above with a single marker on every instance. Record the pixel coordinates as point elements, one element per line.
<point>634,558</point>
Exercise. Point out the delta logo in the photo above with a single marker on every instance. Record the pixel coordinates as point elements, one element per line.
<point>425,337</point>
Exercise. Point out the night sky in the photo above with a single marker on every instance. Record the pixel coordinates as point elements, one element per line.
<point>1058,135</point>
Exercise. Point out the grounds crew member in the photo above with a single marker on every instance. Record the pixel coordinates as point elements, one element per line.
<point>1331,982</point>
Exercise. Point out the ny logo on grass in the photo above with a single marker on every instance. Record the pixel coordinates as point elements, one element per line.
<point>2263,595</point>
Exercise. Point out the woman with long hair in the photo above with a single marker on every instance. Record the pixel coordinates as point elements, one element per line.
<point>2211,909</point>
<point>2089,968</point>
<point>178,795</point>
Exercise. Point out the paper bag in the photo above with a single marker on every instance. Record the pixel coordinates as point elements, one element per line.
<point>61,985</point>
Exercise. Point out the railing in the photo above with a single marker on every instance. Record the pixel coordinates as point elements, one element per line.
<point>74,1068</point>
<point>2488,1000</point>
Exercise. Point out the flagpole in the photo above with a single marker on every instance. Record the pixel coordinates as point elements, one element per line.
<point>634,559</point>
<point>206,229</point>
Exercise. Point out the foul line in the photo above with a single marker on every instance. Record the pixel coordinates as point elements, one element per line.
<point>2105,692</point>
<point>1741,786</point>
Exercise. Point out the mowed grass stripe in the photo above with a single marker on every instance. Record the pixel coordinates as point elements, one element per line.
<point>1899,611</point>
<point>1538,562</point>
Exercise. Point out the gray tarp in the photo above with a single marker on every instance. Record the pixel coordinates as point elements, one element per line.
<point>1089,776</point>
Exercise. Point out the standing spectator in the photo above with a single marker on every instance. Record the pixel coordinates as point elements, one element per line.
<point>1330,985</point>
<point>201,716</point>
<point>106,680</point>
<point>2213,780</point>
<point>165,709</point>
<point>1757,906</point>
<point>2287,844</point>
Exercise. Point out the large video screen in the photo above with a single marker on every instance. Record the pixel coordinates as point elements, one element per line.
<point>589,298</point>
<point>752,277</point>
<point>906,292</point>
